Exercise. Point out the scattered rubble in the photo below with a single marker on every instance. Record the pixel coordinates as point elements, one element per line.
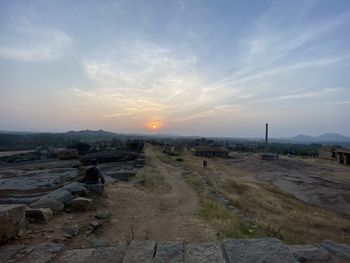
<point>70,230</point>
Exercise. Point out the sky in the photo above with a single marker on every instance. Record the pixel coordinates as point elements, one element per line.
<point>210,68</point>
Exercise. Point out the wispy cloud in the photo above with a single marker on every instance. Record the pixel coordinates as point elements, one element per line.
<point>28,42</point>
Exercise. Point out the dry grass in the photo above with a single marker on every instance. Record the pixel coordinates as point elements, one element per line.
<point>278,213</point>
<point>154,180</point>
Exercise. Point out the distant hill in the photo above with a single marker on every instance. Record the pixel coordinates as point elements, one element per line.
<point>327,137</point>
<point>90,133</point>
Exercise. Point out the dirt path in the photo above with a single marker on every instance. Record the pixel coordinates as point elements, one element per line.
<point>169,215</point>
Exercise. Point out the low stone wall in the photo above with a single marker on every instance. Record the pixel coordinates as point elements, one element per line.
<point>267,249</point>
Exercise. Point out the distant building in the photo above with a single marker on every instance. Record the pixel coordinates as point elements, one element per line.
<point>343,156</point>
<point>327,152</point>
<point>210,151</point>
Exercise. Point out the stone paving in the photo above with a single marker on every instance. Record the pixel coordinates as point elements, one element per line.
<point>228,251</point>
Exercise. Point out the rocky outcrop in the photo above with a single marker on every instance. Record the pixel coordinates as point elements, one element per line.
<point>12,219</point>
<point>309,253</point>
<point>341,250</point>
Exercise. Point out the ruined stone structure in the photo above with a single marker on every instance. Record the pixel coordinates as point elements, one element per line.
<point>343,156</point>
<point>327,152</point>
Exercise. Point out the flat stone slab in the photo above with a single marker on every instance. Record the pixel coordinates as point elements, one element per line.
<point>342,250</point>
<point>39,253</point>
<point>170,252</point>
<point>306,253</point>
<point>7,252</point>
<point>140,251</point>
<point>204,253</point>
<point>267,249</point>
<point>94,255</point>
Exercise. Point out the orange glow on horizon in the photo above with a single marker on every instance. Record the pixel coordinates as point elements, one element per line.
<point>154,126</point>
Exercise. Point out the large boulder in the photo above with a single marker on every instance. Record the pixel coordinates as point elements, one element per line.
<point>68,154</point>
<point>81,204</point>
<point>39,215</point>
<point>51,203</point>
<point>61,195</point>
<point>12,219</point>
<point>76,188</point>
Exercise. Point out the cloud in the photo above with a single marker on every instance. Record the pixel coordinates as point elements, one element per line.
<point>28,42</point>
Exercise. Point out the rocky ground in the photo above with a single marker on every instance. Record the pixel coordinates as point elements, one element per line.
<point>66,221</point>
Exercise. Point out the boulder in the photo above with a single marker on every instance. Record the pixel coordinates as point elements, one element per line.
<point>101,215</point>
<point>76,188</point>
<point>140,251</point>
<point>204,253</point>
<point>172,252</point>
<point>81,204</point>
<point>68,154</point>
<point>70,230</point>
<point>341,250</point>
<point>61,195</point>
<point>53,204</point>
<point>38,215</point>
<point>309,253</point>
<point>267,249</point>
<point>12,219</point>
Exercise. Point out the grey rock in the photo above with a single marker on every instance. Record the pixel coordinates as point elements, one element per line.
<point>122,175</point>
<point>169,252</point>
<point>204,253</point>
<point>39,215</point>
<point>262,250</point>
<point>101,215</point>
<point>306,253</point>
<point>7,252</point>
<point>12,219</point>
<point>39,253</point>
<point>62,196</point>
<point>140,251</point>
<point>98,243</point>
<point>76,188</point>
<point>55,205</point>
<point>94,255</point>
<point>97,188</point>
<point>81,204</point>
<point>70,230</point>
<point>342,250</point>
